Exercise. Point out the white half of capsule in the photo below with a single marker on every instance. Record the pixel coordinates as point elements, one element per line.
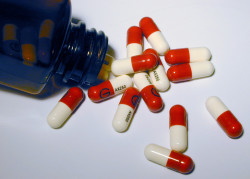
<point>201,69</point>
<point>121,83</point>
<point>158,42</point>
<point>122,117</point>
<point>215,106</point>
<point>178,138</point>
<point>122,67</point>
<point>199,54</point>
<point>159,78</point>
<point>134,49</point>
<point>157,154</point>
<point>58,115</point>
<point>142,80</point>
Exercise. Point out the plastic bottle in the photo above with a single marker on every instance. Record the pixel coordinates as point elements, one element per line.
<point>38,41</point>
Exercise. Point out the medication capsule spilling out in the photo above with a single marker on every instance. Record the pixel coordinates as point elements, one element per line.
<point>148,92</point>
<point>126,109</point>
<point>134,41</point>
<point>189,71</point>
<point>178,128</point>
<point>158,75</point>
<point>109,88</point>
<point>64,108</point>
<point>134,64</point>
<point>224,117</point>
<point>169,158</point>
<point>187,55</point>
<point>154,35</point>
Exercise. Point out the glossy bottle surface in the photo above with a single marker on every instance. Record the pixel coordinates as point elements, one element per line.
<point>38,41</point>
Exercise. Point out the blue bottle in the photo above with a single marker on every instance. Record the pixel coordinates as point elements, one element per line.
<point>38,41</point>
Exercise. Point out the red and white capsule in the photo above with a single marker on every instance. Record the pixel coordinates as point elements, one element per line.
<point>109,88</point>
<point>169,158</point>
<point>187,55</point>
<point>134,64</point>
<point>126,109</point>
<point>148,92</point>
<point>178,128</point>
<point>154,35</point>
<point>64,108</point>
<point>134,41</point>
<point>158,75</point>
<point>189,71</point>
<point>225,118</point>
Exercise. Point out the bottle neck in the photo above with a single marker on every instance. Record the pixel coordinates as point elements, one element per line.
<point>82,56</point>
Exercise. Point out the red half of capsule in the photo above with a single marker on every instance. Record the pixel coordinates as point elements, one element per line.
<point>134,35</point>
<point>177,115</point>
<point>148,26</point>
<point>152,51</point>
<point>177,56</point>
<point>143,62</point>
<point>131,97</point>
<point>73,97</point>
<point>230,124</point>
<point>101,92</point>
<point>152,98</point>
<point>178,73</point>
<point>180,162</point>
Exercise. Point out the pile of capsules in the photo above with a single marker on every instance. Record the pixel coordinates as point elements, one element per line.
<point>150,78</point>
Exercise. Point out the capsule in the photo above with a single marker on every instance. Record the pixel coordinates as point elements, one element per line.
<point>28,40</point>
<point>158,75</point>
<point>224,117</point>
<point>134,64</point>
<point>154,35</point>
<point>11,45</point>
<point>103,74</point>
<point>187,55</point>
<point>134,41</point>
<point>169,158</point>
<point>148,92</point>
<point>178,128</point>
<point>107,62</point>
<point>64,108</point>
<point>109,88</point>
<point>126,109</point>
<point>189,71</point>
<point>44,41</point>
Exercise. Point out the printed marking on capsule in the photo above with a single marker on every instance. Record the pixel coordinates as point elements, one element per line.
<point>158,75</point>
<point>187,55</point>
<point>105,92</point>
<point>134,64</point>
<point>64,108</point>
<point>169,158</point>
<point>154,35</point>
<point>135,99</point>
<point>109,88</point>
<point>154,92</point>
<point>126,109</point>
<point>178,128</point>
<point>134,41</point>
<point>225,118</point>
<point>189,71</point>
<point>148,92</point>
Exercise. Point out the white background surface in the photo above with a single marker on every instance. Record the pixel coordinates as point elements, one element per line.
<point>88,147</point>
